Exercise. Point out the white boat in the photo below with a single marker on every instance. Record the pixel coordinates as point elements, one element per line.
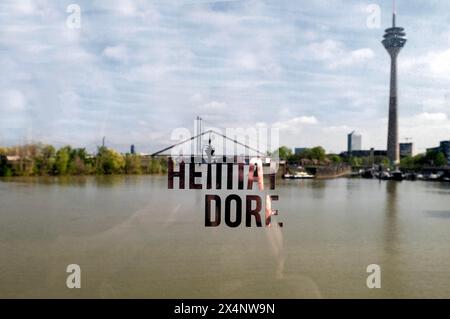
<point>385,175</point>
<point>299,175</point>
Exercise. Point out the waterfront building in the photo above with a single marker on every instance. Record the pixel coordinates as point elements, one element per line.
<point>299,150</point>
<point>365,153</point>
<point>444,147</point>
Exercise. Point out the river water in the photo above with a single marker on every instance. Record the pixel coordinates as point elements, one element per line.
<point>132,237</point>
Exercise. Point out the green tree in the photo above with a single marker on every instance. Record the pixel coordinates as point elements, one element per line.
<point>440,159</point>
<point>407,162</point>
<point>355,161</point>
<point>132,164</point>
<point>62,161</point>
<point>435,158</point>
<point>154,166</point>
<point>367,161</point>
<point>45,160</point>
<point>78,163</point>
<point>164,165</point>
<point>419,160</point>
<point>284,153</point>
<point>318,153</point>
<point>5,167</point>
<point>335,159</point>
<point>109,161</point>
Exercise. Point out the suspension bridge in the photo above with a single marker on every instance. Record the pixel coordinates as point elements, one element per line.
<point>218,148</point>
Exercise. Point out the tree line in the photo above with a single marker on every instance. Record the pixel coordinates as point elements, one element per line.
<point>318,156</point>
<point>431,158</point>
<point>46,160</point>
<point>309,156</point>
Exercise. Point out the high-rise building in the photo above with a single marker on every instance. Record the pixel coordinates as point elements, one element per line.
<point>132,149</point>
<point>394,40</point>
<point>353,142</point>
<point>406,149</point>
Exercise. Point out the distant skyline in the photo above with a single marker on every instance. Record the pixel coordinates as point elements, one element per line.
<point>137,69</point>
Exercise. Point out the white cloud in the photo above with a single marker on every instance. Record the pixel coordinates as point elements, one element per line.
<point>214,106</point>
<point>334,54</point>
<point>132,9</point>
<point>247,61</point>
<point>12,101</point>
<point>355,57</point>
<point>435,64</point>
<point>341,129</point>
<point>196,98</point>
<point>126,7</point>
<point>24,7</point>
<point>325,51</point>
<point>439,63</point>
<point>425,129</point>
<point>118,53</point>
<point>436,105</point>
<point>296,122</point>
<point>439,117</point>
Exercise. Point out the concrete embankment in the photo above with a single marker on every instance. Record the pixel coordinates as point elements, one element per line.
<point>332,171</point>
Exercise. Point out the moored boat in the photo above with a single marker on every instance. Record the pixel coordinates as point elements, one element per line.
<point>299,175</point>
<point>397,176</point>
<point>367,173</point>
<point>385,175</point>
<point>411,176</point>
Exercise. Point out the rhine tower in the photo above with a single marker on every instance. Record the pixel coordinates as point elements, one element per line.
<point>394,40</point>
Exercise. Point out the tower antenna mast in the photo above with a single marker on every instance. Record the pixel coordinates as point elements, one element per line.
<point>394,13</point>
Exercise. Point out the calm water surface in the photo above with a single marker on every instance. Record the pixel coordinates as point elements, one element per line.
<point>133,237</point>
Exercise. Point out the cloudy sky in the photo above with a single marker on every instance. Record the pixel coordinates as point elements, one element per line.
<point>135,70</point>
